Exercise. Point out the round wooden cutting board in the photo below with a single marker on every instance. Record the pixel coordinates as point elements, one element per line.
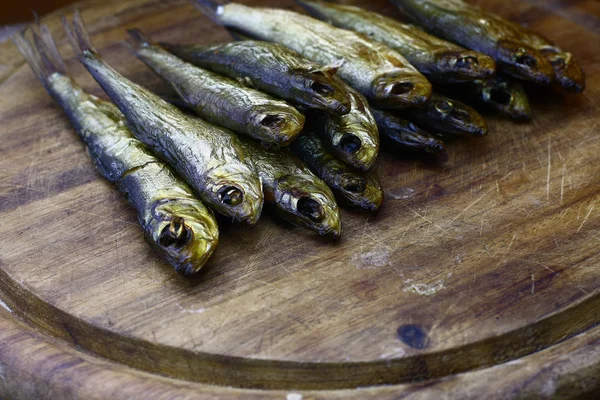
<point>479,277</point>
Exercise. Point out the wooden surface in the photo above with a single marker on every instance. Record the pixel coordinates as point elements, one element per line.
<point>475,273</point>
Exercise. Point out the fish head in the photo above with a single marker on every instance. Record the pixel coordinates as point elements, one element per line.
<point>317,88</point>
<point>306,201</point>
<point>566,68</point>
<point>361,190</point>
<point>183,232</point>
<point>524,62</point>
<point>464,65</point>
<point>397,89</point>
<point>235,190</point>
<point>407,134</point>
<point>507,97</point>
<point>456,117</point>
<point>275,123</point>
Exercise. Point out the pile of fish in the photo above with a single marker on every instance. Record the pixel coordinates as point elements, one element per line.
<point>290,114</point>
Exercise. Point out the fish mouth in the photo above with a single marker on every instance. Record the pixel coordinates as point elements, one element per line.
<point>524,62</point>
<point>509,99</point>
<point>395,90</point>
<point>280,125</point>
<point>358,149</point>
<point>460,66</point>
<point>186,243</point>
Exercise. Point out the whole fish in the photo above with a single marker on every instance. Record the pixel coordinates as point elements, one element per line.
<point>405,134</point>
<point>481,31</point>
<point>210,158</point>
<point>353,137</point>
<point>444,116</point>
<point>352,187</point>
<point>378,72</point>
<point>298,195</point>
<point>221,100</point>
<point>439,60</point>
<point>271,68</point>
<point>501,94</point>
<point>182,231</point>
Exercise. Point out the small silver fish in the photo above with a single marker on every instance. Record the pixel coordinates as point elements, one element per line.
<point>182,231</point>
<point>381,74</point>
<point>210,158</point>
<point>221,100</point>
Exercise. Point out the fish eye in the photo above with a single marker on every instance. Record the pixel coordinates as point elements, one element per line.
<point>176,234</point>
<point>321,88</point>
<point>444,106</point>
<point>310,209</point>
<point>231,196</point>
<point>353,183</point>
<point>350,144</point>
<point>467,62</point>
<point>500,96</point>
<point>401,88</point>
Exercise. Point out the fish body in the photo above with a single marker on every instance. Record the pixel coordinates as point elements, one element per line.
<point>482,31</point>
<point>299,196</point>
<point>271,68</point>
<point>378,72</point>
<point>353,137</point>
<point>210,158</point>
<point>445,116</point>
<point>352,187</point>
<point>182,231</point>
<point>439,60</point>
<point>221,100</point>
<point>405,134</point>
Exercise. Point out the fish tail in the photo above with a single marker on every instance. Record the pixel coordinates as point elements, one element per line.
<point>42,54</point>
<point>211,8</point>
<point>78,36</point>
<point>139,38</point>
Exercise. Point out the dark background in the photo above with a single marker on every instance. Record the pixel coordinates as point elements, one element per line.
<point>15,11</point>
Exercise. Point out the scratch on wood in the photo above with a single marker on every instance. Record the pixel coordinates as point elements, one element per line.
<point>586,217</point>
<point>532,284</point>
<point>549,168</point>
<point>472,204</point>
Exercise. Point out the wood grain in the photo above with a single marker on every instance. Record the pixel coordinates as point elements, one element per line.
<point>470,264</point>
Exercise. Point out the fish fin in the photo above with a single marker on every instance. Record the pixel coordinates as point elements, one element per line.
<point>139,38</point>
<point>46,46</point>
<point>332,69</point>
<point>211,8</point>
<point>238,35</point>
<point>78,36</point>
<point>42,57</point>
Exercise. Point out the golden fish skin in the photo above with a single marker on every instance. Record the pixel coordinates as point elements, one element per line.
<point>353,137</point>
<point>182,231</point>
<point>482,31</point>
<point>221,100</point>
<point>210,158</point>
<point>439,60</point>
<point>271,68</point>
<point>378,72</point>
<point>352,187</point>
<point>404,134</point>
<point>443,116</point>
<point>298,195</point>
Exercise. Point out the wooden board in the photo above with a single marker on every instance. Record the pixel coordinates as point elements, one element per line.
<point>469,266</point>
